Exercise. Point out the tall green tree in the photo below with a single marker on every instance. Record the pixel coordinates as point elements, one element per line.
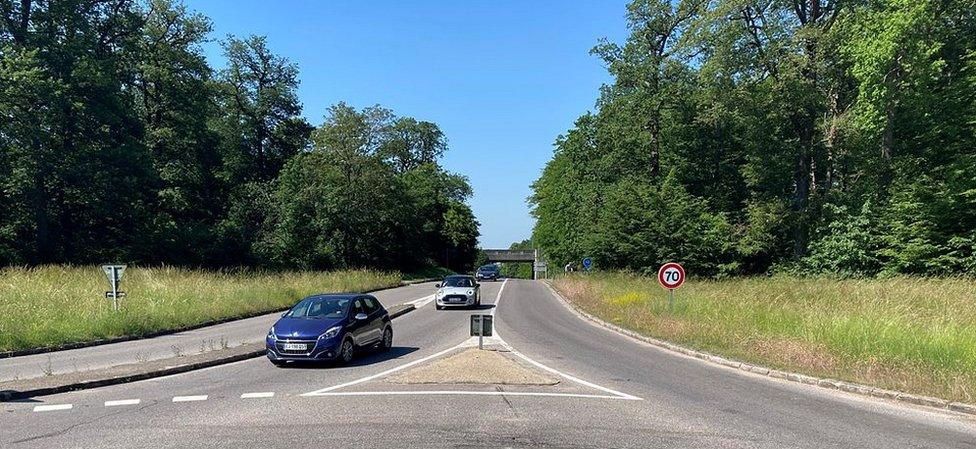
<point>175,98</point>
<point>260,129</point>
<point>77,176</point>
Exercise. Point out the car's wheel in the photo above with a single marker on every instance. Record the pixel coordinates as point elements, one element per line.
<point>387,342</point>
<point>346,351</point>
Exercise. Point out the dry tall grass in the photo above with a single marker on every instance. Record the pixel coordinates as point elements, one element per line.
<point>54,305</point>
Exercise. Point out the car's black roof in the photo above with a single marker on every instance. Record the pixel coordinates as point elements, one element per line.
<point>492,267</point>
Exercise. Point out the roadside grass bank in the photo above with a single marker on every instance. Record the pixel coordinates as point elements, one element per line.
<point>57,305</point>
<point>914,335</point>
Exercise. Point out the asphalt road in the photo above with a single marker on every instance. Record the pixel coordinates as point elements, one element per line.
<point>614,392</point>
<point>230,334</point>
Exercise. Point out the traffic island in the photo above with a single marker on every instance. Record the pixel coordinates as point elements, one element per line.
<point>477,367</point>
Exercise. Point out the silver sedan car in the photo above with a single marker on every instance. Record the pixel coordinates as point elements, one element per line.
<point>458,291</point>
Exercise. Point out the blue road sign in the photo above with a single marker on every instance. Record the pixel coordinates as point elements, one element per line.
<point>587,263</point>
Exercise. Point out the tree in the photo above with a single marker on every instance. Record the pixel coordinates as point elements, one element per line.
<point>261,129</point>
<point>262,121</point>
<point>348,203</point>
<point>76,181</point>
<point>175,97</point>
<point>831,136</point>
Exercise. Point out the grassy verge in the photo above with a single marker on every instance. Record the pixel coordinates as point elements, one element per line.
<point>54,305</point>
<point>908,334</point>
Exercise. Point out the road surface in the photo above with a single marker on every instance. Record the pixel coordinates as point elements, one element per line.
<point>614,392</point>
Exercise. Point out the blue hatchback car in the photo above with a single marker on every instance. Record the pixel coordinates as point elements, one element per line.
<point>329,327</point>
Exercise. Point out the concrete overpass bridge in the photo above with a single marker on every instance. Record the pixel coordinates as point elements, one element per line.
<point>539,266</point>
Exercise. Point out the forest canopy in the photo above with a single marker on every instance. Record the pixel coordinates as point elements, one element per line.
<point>119,142</point>
<point>749,136</point>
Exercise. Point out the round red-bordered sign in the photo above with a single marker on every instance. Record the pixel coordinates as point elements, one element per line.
<point>671,275</point>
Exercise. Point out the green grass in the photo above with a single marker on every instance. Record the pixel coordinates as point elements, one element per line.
<point>908,334</point>
<point>55,305</point>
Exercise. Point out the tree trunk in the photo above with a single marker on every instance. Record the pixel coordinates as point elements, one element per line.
<point>654,128</point>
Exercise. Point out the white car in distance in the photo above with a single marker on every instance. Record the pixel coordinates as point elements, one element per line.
<point>458,291</point>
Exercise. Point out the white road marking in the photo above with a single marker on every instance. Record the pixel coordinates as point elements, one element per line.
<point>51,408</point>
<point>418,303</point>
<point>267,394</point>
<point>471,393</point>
<point>495,339</point>
<point>406,365</point>
<point>546,368</point>
<point>122,402</point>
<point>384,373</point>
<point>189,398</point>
<point>572,378</point>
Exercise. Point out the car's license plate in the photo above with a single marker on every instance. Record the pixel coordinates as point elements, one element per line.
<point>294,347</point>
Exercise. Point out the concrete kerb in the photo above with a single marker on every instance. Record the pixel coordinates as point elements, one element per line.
<point>88,344</point>
<point>44,386</point>
<point>863,390</point>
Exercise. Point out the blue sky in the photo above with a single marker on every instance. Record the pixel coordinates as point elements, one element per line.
<point>502,78</point>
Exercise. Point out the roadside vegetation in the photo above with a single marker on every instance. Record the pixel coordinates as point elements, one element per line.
<point>744,137</point>
<point>55,305</point>
<point>909,334</point>
<point>142,151</point>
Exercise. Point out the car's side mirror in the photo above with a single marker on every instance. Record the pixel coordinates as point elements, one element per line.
<point>361,316</point>
<point>437,285</point>
<point>285,313</point>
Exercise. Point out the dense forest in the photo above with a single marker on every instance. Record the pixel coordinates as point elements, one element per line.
<point>752,136</point>
<point>119,142</point>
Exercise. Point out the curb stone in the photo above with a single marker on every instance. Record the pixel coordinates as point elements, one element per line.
<point>106,341</point>
<point>863,390</point>
<point>43,386</point>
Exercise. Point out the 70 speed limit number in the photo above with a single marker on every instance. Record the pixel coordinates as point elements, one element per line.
<point>671,275</point>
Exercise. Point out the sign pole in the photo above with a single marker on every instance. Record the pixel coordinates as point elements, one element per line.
<point>115,288</point>
<point>671,276</point>
<point>480,338</point>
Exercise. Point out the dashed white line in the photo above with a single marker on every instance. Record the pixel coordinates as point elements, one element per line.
<point>122,402</point>
<point>189,398</point>
<point>266,394</point>
<point>51,408</point>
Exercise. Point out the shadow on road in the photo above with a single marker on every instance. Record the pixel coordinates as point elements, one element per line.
<point>363,357</point>
<point>4,394</point>
<point>468,309</point>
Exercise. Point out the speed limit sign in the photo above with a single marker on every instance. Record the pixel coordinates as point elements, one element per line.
<point>671,275</point>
